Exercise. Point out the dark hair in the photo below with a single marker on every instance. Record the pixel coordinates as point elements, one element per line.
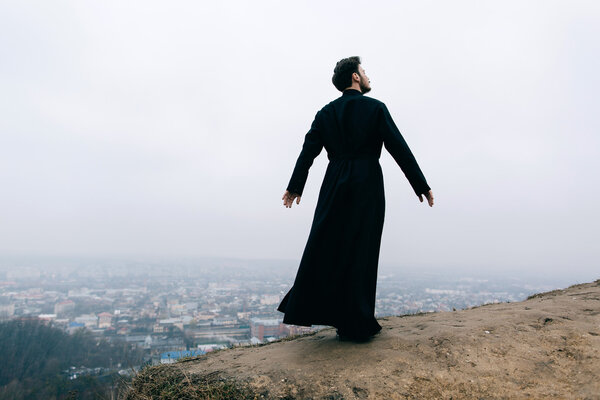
<point>342,73</point>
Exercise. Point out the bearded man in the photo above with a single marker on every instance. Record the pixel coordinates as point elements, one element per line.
<point>336,281</point>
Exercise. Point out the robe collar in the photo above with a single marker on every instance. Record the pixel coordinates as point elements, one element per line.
<point>351,92</point>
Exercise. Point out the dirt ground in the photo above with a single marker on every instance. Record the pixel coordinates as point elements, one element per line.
<point>546,347</point>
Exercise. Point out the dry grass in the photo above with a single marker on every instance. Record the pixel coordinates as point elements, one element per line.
<point>171,382</point>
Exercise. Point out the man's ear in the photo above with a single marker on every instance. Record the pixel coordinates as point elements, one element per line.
<point>356,77</point>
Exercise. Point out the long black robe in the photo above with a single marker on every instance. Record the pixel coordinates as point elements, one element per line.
<point>336,280</point>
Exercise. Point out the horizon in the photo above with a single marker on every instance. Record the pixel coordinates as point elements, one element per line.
<point>225,265</point>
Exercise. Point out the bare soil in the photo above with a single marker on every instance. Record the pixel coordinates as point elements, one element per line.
<point>546,347</point>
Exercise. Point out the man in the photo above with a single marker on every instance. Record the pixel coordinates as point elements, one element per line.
<point>336,280</point>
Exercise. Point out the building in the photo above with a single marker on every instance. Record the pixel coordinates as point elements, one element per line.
<point>204,316</point>
<point>206,332</point>
<point>166,323</point>
<point>177,309</point>
<point>104,320</point>
<point>207,348</point>
<point>74,326</point>
<point>224,320</point>
<point>300,330</point>
<point>269,299</point>
<point>262,328</point>
<point>7,310</point>
<point>47,317</point>
<point>172,356</point>
<point>88,320</point>
<point>244,315</point>
<point>64,307</point>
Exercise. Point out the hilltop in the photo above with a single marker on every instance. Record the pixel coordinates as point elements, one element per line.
<point>547,346</point>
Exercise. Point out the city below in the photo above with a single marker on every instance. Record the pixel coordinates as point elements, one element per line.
<point>174,309</point>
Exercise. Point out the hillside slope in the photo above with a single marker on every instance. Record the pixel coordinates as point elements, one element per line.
<point>547,346</point>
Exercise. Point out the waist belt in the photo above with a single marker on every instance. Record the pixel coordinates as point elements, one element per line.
<point>353,157</point>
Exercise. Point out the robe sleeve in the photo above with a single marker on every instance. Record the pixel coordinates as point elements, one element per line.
<point>313,144</point>
<point>397,147</point>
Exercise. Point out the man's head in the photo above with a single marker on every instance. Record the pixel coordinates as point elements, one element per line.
<point>349,73</point>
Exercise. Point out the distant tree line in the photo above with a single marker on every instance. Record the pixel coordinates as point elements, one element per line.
<point>35,357</point>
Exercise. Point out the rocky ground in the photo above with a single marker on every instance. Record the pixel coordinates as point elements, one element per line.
<point>546,347</point>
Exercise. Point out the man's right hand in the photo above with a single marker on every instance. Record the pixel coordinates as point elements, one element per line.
<point>288,199</point>
<point>429,196</point>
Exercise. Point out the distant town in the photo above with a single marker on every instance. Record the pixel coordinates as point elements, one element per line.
<point>174,309</point>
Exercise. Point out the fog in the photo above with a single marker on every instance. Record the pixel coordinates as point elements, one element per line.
<point>172,128</point>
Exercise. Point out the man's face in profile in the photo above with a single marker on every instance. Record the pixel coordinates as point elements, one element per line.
<point>364,82</point>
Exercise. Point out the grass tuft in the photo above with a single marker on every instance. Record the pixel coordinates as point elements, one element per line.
<point>170,381</point>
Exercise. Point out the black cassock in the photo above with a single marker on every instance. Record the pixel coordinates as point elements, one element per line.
<point>336,280</point>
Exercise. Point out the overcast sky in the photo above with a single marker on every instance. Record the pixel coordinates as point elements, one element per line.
<point>172,128</point>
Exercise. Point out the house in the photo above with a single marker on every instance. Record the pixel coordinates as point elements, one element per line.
<point>171,356</point>
<point>104,320</point>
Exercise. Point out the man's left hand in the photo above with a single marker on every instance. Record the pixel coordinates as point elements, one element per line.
<point>429,196</point>
<point>288,199</point>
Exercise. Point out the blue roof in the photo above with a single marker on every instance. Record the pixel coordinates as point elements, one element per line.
<point>75,324</point>
<point>175,355</point>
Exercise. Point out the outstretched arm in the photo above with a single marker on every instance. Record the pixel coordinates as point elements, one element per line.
<point>313,144</point>
<point>398,148</point>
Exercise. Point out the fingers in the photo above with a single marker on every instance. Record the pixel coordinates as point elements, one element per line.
<point>429,197</point>
<point>285,198</point>
<point>288,199</point>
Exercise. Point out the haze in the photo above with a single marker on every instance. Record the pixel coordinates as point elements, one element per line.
<point>172,128</point>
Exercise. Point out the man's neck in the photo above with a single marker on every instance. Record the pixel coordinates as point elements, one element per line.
<point>354,86</point>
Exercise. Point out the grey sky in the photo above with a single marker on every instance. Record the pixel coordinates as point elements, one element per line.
<point>172,128</point>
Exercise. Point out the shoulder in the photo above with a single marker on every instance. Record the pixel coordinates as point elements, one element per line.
<point>334,106</point>
<point>326,109</point>
<point>360,99</point>
<point>375,105</point>
<point>373,101</point>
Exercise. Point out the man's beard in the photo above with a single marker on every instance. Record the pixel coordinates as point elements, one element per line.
<point>363,88</point>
